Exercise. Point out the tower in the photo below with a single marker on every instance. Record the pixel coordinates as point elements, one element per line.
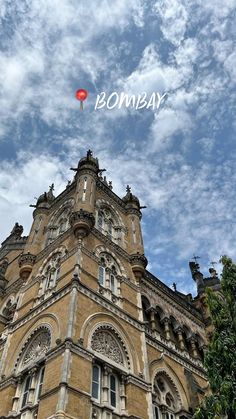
<point>86,330</point>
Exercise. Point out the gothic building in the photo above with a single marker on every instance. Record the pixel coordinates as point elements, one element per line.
<point>85,330</point>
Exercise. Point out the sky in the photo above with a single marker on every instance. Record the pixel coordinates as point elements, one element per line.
<point>179,159</point>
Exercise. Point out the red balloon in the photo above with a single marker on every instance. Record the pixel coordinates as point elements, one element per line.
<point>81,94</point>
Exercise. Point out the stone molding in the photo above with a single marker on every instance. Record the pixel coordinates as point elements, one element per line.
<point>170,299</point>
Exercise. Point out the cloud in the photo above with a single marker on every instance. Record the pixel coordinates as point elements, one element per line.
<point>174,19</point>
<point>22,180</point>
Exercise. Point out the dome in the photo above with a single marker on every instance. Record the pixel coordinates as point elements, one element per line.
<point>130,198</point>
<point>46,198</point>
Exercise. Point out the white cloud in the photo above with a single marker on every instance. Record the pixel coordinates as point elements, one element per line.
<point>22,180</point>
<point>174,18</point>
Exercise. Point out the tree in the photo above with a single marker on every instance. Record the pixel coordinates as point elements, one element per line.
<point>220,359</point>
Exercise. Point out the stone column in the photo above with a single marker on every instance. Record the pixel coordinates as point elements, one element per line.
<point>180,338</point>
<point>122,394</point>
<point>15,405</point>
<point>105,385</point>
<point>152,318</point>
<point>32,386</point>
<point>166,323</point>
<point>193,347</point>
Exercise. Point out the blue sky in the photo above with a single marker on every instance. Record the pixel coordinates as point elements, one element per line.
<point>179,159</point>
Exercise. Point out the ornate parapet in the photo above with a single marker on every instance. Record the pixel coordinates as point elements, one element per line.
<point>138,263</point>
<point>26,262</point>
<point>82,223</point>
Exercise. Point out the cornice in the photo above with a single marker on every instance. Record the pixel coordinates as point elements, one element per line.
<point>15,286</point>
<point>63,194</point>
<point>155,285</point>
<point>34,311</point>
<point>105,239</point>
<point>108,192</point>
<point>52,246</point>
<point>191,364</point>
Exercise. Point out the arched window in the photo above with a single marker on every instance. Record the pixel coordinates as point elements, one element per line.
<point>107,223</point>
<point>51,272</point>
<point>96,382</point>
<point>145,307</point>
<point>108,273</point>
<point>59,222</point>
<point>108,385</point>
<point>113,390</point>
<point>31,388</point>
<point>84,188</point>
<point>165,398</point>
<point>31,372</point>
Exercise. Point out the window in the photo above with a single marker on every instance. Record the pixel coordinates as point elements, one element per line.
<point>102,380</point>
<point>96,383</point>
<point>101,275</point>
<point>112,283</point>
<point>165,394</point>
<point>40,383</point>
<point>156,412</point>
<point>52,274</point>
<point>84,189</point>
<point>26,389</point>
<point>113,390</point>
<point>100,221</point>
<point>108,273</point>
<point>109,229</point>
<point>52,271</point>
<point>108,223</point>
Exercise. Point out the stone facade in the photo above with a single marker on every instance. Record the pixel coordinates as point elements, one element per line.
<point>85,330</point>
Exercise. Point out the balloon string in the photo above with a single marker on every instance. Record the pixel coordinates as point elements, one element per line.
<point>81,105</point>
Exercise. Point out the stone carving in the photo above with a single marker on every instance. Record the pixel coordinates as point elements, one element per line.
<point>17,230</point>
<point>138,259</point>
<point>37,348</point>
<point>26,259</point>
<point>3,268</point>
<point>82,222</point>
<point>104,343</point>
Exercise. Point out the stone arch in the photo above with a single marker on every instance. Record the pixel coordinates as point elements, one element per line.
<point>162,368</point>
<point>61,249</point>
<point>99,320</point>
<point>106,341</point>
<point>40,336</point>
<point>99,249</point>
<point>56,215</point>
<point>102,203</point>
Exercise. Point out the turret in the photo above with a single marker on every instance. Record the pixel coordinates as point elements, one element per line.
<point>82,219</point>
<point>137,258</point>
<point>34,241</point>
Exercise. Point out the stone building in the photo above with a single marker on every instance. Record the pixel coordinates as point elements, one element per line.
<point>85,330</point>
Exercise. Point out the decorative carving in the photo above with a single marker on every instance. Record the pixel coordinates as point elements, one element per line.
<point>138,263</point>
<point>82,222</point>
<point>26,262</point>
<point>104,343</point>
<point>3,268</point>
<point>138,259</point>
<point>37,348</point>
<point>17,230</point>
<point>26,259</point>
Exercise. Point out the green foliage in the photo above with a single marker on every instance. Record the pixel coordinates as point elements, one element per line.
<point>220,359</point>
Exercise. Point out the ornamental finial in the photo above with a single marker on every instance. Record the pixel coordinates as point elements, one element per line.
<point>128,189</point>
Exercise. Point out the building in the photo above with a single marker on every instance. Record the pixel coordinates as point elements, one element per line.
<point>86,331</point>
